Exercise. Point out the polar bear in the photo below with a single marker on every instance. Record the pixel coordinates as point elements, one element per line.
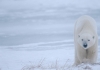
<point>85,40</point>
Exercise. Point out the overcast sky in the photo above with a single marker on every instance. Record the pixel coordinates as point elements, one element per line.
<point>19,6</point>
<point>27,4</point>
<point>15,15</point>
<point>14,8</point>
<point>30,17</point>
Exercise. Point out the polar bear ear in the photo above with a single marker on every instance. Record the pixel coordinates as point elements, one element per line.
<point>93,37</point>
<point>78,35</point>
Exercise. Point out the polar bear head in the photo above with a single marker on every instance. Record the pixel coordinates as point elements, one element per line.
<point>86,40</point>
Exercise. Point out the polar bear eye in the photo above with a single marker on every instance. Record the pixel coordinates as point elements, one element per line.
<point>88,40</point>
<point>82,39</point>
<point>78,35</point>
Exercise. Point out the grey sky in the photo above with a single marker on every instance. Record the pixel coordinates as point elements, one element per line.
<point>32,4</point>
<point>17,15</point>
<point>27,21</point>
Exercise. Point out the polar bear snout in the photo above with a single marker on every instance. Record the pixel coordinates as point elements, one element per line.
<point>85,45</point>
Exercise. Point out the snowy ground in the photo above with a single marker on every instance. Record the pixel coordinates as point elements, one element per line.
<point>51,55</point>
<point>38,34</point>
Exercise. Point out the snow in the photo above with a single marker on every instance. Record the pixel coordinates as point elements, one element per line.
<point>38,34</point>
<point>19,59</point>
<point>16,57</point>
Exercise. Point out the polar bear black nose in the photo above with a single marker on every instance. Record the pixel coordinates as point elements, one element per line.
<point>85,45</point>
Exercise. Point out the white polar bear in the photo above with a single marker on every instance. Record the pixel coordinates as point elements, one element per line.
<point>85,40</point>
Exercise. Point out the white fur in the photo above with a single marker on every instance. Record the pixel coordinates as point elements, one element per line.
<point>85,28</point>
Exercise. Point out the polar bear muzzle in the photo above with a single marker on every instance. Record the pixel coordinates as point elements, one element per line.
<point>85,45</point>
